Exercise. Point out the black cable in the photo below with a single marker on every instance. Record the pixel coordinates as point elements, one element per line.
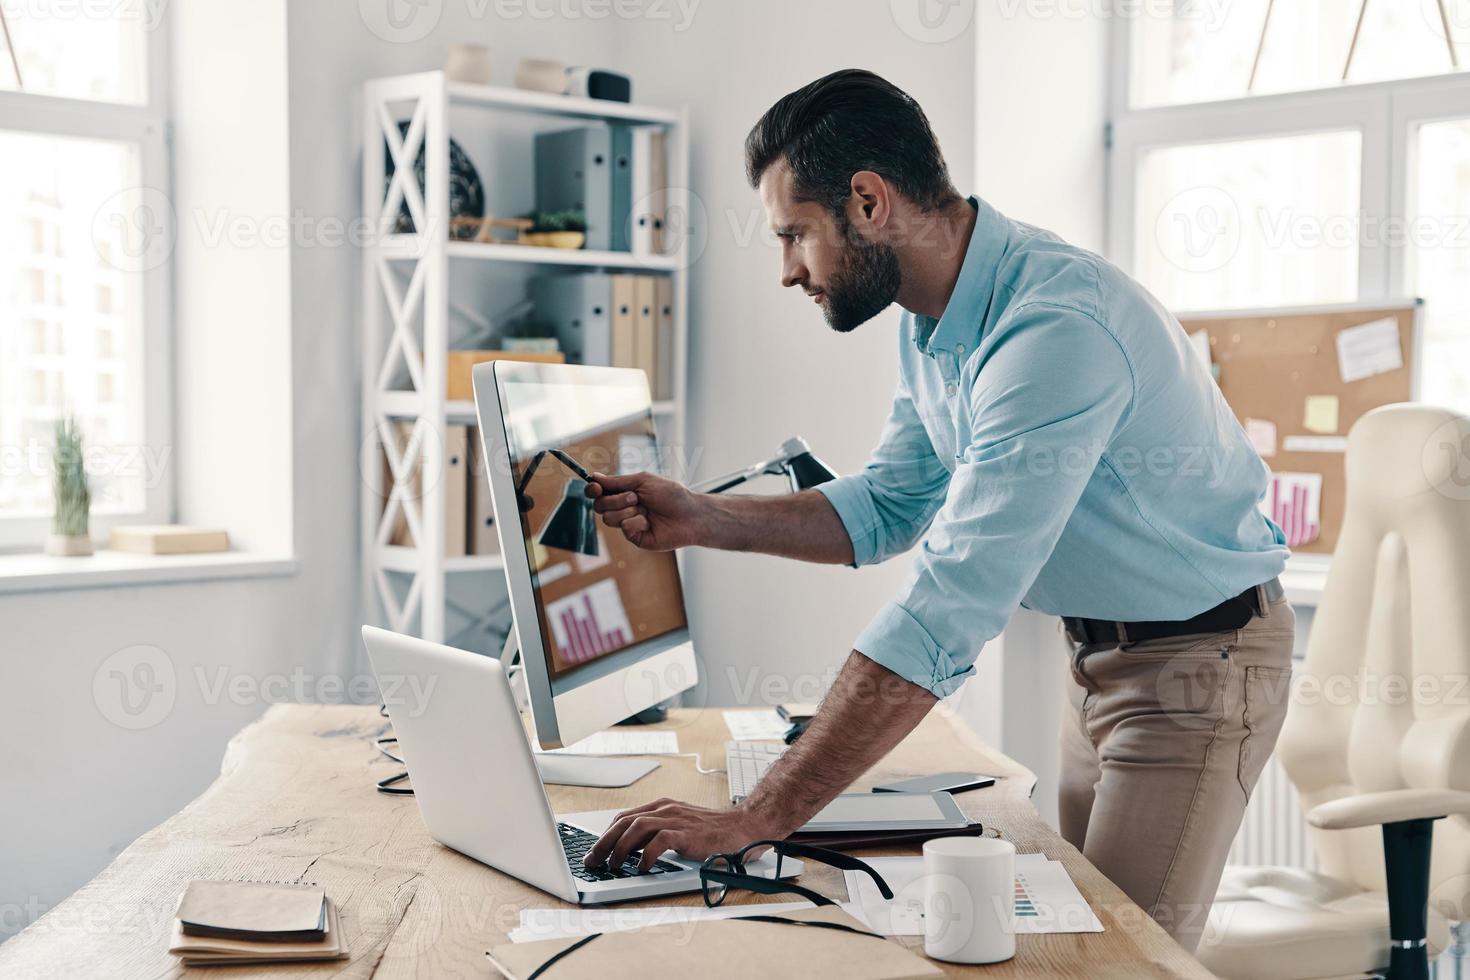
<point>389,786</point>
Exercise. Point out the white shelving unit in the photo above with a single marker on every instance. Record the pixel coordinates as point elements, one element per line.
<point>406,312</point>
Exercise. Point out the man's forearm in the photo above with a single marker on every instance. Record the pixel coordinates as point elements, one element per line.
<point>867,712</point>
<point>801,525</point>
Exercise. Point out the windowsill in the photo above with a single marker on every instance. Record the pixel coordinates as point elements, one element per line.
<point>1305,578</point>
<point>110,569</point>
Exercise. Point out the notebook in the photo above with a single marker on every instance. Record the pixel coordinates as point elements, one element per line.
<point>801,943</point>
<point>256,911</point>
<point>208,950</point>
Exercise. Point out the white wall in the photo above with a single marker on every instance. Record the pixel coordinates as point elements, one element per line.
<point>764,365</point>
<point>1041,111</point>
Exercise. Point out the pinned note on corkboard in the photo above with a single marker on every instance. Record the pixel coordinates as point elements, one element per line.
<point>1298,379</point>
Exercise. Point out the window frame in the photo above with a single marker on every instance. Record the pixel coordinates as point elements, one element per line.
<point>1386,113</point>
<point>147,126</point>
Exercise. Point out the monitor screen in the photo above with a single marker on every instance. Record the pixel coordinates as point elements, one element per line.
<point>599,599</point>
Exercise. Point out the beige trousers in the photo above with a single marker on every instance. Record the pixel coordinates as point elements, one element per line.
<point>1162,743</point>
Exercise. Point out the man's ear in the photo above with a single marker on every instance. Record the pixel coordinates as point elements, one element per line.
<point>871,204</point>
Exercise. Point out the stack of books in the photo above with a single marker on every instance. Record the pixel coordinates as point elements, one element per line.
<point>241,922</point>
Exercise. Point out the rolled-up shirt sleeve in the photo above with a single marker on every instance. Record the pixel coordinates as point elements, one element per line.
<point>1047,391</point>
<point>887,506</point>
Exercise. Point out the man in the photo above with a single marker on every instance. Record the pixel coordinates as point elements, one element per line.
<point>1055,444</point>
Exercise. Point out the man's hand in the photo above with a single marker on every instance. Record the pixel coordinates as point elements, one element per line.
<point>657,514</point>
<point>654,513</point>
<point>866,713</point>
<point>667,825</point>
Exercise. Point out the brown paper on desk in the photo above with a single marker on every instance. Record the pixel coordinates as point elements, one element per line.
<point>718,948</point>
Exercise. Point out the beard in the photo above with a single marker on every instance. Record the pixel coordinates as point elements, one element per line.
<point>865,284</point>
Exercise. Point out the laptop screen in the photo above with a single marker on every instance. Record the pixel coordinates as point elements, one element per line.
<point>596,594</point>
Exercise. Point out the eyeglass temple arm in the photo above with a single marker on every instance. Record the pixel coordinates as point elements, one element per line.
<point>824,854</point>
<point>766,886</point>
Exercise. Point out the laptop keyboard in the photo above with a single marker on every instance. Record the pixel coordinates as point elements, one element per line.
<point>578,842</point>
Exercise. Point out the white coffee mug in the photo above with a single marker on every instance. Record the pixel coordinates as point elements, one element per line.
<point>969,899</point>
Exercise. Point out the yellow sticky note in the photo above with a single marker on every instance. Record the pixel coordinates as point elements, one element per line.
<point>1321,414</point>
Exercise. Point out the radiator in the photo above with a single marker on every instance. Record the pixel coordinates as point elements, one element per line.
<point>1274,830</point>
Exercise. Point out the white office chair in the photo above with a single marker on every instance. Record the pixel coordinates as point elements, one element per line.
<point>1378,732</point>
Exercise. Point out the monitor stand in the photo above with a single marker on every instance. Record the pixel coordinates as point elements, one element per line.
<point>602,771</point>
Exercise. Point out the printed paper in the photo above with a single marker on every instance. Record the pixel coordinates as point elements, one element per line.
<point>1315,444</point>
<point>1320,414</point>
<point>1294,503</point>
<point>1369,349</point>
<point>756,726</point>
<point>1046,899</point>
<point>1262,434</point>
<point>621,743</point>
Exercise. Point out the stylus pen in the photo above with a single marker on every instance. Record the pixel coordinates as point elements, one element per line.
<point>572,463</point>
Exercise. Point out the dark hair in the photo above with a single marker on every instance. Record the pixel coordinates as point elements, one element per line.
<point>842,123</point>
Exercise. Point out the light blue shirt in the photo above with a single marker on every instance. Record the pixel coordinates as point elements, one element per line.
<point>1056,444</point>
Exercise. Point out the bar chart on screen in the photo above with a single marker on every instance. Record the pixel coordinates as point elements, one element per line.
<point>1294,502</point>
<point>590,623</point>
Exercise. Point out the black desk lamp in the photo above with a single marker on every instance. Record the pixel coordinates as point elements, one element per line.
<point>572,526</point>
<point>794,460</point>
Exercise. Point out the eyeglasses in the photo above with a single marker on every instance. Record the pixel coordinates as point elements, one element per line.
<point>720,872</point>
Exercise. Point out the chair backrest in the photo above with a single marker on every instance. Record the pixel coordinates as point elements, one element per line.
<point>1383,700</point>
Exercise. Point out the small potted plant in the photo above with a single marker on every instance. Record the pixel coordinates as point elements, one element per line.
<point>557,229</point>
<point>71,494</point>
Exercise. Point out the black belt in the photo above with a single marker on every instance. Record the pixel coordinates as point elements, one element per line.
<point>1231,614</point>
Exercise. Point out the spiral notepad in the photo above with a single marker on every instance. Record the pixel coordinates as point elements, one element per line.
<point>257,911</point>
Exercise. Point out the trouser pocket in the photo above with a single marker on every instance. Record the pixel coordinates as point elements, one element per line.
<point>1267,694</point>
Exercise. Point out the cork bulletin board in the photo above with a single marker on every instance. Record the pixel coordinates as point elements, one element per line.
<point>1298,384</point>
<point>620,597</point>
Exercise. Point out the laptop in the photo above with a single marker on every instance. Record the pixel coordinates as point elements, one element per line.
<point>479,792</point>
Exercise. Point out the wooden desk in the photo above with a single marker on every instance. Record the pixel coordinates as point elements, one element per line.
<point>295,801</point>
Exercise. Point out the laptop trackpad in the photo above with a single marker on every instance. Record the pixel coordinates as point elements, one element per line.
<point>597,821</point>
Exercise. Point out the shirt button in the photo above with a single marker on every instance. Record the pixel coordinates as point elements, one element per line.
<point>960,348</point>
<point>949,389</point>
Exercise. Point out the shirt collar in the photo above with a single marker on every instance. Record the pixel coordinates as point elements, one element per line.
<point>959,328</point>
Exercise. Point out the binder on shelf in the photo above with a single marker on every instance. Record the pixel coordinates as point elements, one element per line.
<point>645,341</point>
<point>578,307</point>
<point>574,171</point>
<point>624,321</point>
<point>663,375</point>
<point>482,538</point>
<point>658,159</point>
<point>622,187</point>
<point>650,185</point>
<point>456,488</point>
<point>453,485</point>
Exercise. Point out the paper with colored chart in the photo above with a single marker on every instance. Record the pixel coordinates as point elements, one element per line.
<point>1294,502</point>
<point>590,623</point>
<point>1046,899</point>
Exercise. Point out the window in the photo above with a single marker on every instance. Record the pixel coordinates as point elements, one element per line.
<point>1255,164</point>
<point>85,241</point>
<point>1196,51</point>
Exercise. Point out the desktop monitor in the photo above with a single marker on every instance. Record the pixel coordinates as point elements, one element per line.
<point>601,624</point>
